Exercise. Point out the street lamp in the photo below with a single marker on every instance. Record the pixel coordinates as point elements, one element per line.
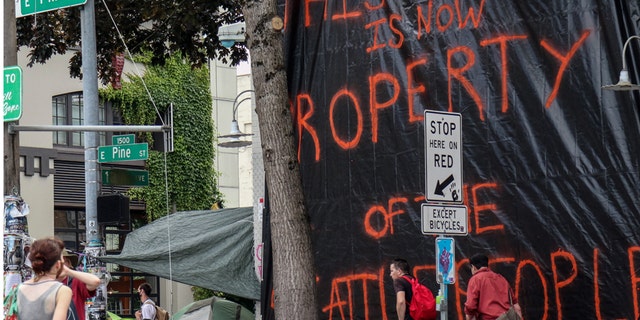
<point>229,34</point>
<point>624,84</point>
<point>235,134</point>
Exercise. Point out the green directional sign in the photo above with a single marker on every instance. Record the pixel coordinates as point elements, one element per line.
<point>12,93</point>
<point>123,177</point>
<point>28,7</point>
<point>123,152</point>
<point>123,139</point>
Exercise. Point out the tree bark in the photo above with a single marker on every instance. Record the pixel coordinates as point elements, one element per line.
<point>293,268</point>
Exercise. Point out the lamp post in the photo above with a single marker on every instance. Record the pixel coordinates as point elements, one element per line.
<point>235,134</point>
<point>624,84</point>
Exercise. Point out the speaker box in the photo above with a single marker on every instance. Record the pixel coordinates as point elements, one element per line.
<point>113,209</point>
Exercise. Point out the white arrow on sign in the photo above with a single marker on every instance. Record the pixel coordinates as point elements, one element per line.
<point>443,156</point>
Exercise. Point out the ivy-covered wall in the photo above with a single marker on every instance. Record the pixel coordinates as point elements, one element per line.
<point>191,178</point>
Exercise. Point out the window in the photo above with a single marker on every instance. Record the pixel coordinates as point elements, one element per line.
<point>122,295</point>
<point>66,109</point>
<point>69,226</point>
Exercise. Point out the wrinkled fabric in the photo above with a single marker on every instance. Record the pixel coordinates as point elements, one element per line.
<point>550,160</point>
<point>207,248</point>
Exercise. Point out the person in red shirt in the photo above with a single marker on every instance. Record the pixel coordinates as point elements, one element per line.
<point>487,292</point>
<point>83,285</point>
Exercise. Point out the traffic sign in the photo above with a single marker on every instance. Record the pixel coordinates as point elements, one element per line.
<point>12,93</point>
<point>444,219</point>
<point>123,139</point>
<point>443,156</point>
<point>124,177</point>
<point>28,7</point>
<point>445,260</point>
<point>123,152</point>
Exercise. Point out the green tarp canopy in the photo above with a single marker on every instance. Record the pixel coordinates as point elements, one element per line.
<point>209,249</point>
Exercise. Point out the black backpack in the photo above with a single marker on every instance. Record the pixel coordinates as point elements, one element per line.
<point>72,313</point>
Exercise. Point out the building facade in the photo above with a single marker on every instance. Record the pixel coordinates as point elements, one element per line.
<point>52,171</point>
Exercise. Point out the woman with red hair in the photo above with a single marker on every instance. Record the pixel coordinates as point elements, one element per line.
<point>43,297</point>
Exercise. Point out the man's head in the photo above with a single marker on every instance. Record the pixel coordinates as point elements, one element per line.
<point>145,289</point>
<point>398,268</point>
<point>478,261</point>
<point>70,259</point>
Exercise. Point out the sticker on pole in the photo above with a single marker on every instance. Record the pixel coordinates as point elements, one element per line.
<point>443,156</point>
<point>446,260</point>
<point>444,219</point>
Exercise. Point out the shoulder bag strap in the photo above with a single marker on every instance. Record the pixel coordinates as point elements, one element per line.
<point>510,300</point>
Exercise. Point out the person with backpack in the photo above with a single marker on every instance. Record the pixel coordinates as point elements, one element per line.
<point>148,308</point>
<point>83,285</point>
<point>414,301</point>
<point>488,293</point>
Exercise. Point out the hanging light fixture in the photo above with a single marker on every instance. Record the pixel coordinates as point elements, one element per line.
<point>229,34</point>
<point>235,134</point>
<point>624,84</point>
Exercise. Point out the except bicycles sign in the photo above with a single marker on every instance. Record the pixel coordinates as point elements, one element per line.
<point>444,219</point>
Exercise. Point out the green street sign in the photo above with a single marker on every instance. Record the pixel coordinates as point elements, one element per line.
<point>28,7</point>
<point>122,177</point>
<point>124,139</point>
<point>12,93</point>
<point>123,152</point>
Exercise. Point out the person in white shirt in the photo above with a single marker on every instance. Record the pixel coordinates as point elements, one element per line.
<point>148,308</point>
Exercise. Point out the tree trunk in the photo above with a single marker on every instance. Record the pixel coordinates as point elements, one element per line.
<point>293,268</point>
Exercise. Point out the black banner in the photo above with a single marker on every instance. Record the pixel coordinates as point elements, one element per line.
<point>551,160</point>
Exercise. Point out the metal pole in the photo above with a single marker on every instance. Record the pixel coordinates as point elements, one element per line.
<point>90,110</point>
<point>11,141</point>
<point>444,307</point>
<point>93,128</point>
<point>441,300</point>
<point>94,246</point>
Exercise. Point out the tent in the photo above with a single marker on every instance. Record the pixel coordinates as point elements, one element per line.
<point>213,308</point>
<point>209,249</point>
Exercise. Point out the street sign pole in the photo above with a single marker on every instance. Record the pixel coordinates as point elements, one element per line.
<point>443,214</point>
<point>95,247</point>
